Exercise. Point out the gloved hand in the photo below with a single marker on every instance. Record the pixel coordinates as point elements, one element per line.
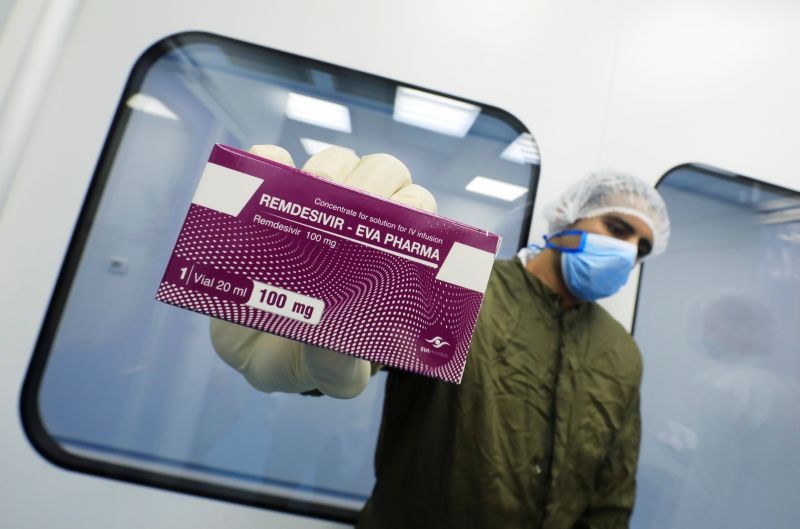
<point>271,363</point>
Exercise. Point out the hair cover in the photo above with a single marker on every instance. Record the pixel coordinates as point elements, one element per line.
<point>604,192</point>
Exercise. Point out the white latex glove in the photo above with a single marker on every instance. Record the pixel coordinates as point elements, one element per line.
<point>271,363</point>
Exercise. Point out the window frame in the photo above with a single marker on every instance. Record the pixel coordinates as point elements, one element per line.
<point>720,174</point>
<point>29,407</point>
<point>708,170</point>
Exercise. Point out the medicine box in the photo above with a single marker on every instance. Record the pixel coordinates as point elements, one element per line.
<point>270,247</point>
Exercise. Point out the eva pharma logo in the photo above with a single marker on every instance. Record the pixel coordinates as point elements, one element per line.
<point>437,342</point>
<point>435,346</point>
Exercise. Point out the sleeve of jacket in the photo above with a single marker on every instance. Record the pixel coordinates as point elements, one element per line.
<point>611,504</point>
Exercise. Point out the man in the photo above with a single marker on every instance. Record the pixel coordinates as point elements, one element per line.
<point>543,431</point>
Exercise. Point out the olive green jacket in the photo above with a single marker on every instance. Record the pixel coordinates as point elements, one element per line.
<point>543,431</point>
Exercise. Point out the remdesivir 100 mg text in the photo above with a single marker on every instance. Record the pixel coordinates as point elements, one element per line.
<point>273,248</point>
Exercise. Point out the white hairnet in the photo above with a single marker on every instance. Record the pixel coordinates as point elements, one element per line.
<point>609,191</point>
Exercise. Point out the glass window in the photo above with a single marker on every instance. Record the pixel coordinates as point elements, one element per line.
<point>717,324</point>
<point>5,12</point>
<point>124,386</point>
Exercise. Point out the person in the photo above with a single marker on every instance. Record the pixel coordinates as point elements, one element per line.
<point>543,430</point>
<point>734,403</point>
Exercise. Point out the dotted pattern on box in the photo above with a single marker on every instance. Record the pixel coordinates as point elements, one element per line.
<point>377,305</point>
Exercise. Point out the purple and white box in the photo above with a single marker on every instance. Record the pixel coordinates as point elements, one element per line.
<point>286,252</point>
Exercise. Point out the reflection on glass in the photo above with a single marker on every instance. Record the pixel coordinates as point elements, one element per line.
<point>135,382</point>
<point>522,150</point>
<point>318,112</point>
<point>717,322</point>
<point>495,188</point>
<point>151,105</point>
<point>434,112</point>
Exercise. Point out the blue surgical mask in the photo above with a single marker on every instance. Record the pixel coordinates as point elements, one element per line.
<point>596,266</point>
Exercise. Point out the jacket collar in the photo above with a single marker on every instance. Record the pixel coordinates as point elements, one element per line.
<point>552,302</point>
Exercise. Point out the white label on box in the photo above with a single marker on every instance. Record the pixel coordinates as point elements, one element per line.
<point>224,189</point>
<point>467,267</point>
<point>286,303</point>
